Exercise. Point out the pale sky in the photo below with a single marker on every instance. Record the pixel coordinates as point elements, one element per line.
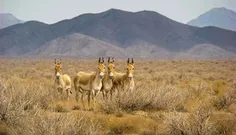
<point>51,11</point>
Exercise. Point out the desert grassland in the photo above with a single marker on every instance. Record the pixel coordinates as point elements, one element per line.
<point>187,97</point>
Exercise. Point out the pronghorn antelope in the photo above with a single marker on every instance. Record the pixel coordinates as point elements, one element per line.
<point>89,83</point>
<point>124,81</point>
<point>62,82</point>
<point>107,81</point>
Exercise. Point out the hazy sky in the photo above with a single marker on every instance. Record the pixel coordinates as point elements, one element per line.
<point>51,11</point>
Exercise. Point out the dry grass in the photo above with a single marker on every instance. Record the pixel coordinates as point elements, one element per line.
<point>165,97</point>
<point>171,97</point>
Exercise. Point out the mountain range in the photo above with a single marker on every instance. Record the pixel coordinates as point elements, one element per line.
<point>218,17</point>
<point>7,20</point>
<point>143,34</point>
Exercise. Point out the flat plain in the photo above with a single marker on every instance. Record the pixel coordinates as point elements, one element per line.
<point>187,97</point>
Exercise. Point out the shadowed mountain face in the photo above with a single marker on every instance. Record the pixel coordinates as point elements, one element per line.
<point>22,38</point>
<point>141,34</point>
<point>7,19</point>
<point>126,29</point>
<point>80,45</point>
<point>218,17</point>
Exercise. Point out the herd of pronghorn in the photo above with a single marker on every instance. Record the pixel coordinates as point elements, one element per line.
<point>92,83</point>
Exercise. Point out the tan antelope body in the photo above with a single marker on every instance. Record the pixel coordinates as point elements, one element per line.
<point>62,81</point>
<point>107,82</point>
<point>124,81</point>
<point>89,83</point>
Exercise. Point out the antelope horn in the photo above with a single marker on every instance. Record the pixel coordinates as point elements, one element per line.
<point>108,59</point>
<point>113,59</point>
<point>60,61</point>
<point>99,60</point>
<point>55,61</point>
<point>132,61</point>
<point>128,61</point>
<point>102,60</point>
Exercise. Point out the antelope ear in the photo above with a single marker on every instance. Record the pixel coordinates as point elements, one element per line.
<point>132,61</point>
<point>55,61</point>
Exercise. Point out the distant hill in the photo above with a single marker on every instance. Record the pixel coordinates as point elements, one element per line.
<point>143,34</point>
<point>23,38</point>
<point>218,17</point>
<point>206,51</point>
<point>7,19</point>
<point>80,45</point>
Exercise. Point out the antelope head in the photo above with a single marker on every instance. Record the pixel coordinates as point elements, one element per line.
<point>58,68</point>
<point>101,67</point>
<point>130,67</point>
<point>111,67</point>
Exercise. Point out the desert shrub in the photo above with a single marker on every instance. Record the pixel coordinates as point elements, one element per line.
<point>76,107</point>
<point>19,100</point>
<point>12,105</point>
<point>122,129</point>
<point>59,108</point>
<point>224,101</point>
<point>177,124</point>
<point>165,97</point>
<point>200,87</point>
<point>194,123</point>
<point>224,127</point>
<point>150,132</point>
<point>55,124</point>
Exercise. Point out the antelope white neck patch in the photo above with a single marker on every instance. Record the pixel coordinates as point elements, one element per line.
<point>57,74</point>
